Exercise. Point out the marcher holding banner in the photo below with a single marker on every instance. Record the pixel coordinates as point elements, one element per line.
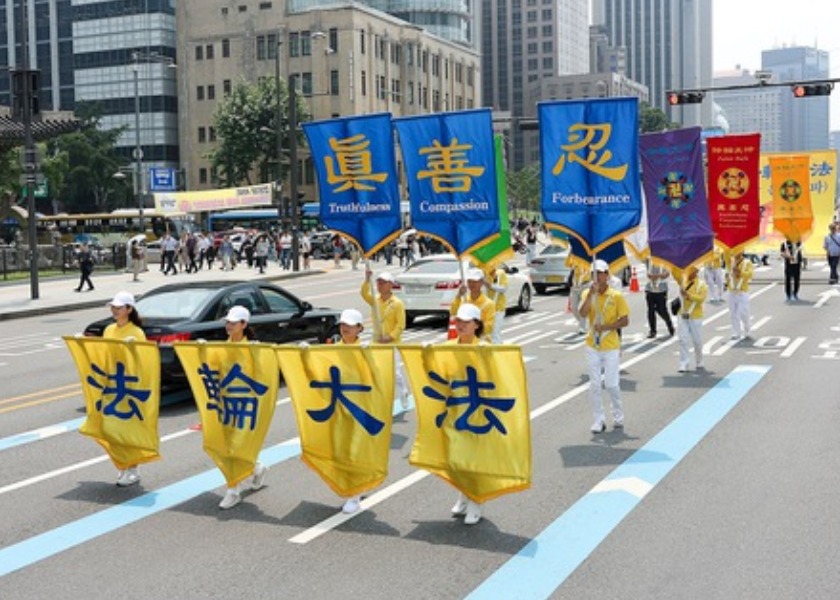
<point>608,312</point>
<point>472,293</point>
<point>693,293</point>
<point>388,321</point>
<point>738,283</point>
<point>714,276</point>
<point>497,285</point>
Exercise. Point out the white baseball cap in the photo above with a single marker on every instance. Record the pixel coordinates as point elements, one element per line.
<point>475,275</point>
<point>385,276</point>
<point>468,312</point>
<point>238,313</point>
<point>122,299</point>
<point>351,316</point>
<point>601,266</point>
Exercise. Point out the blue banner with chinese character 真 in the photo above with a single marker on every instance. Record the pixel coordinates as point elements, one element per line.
<point>590,169</point>
<point>679,224</point>
<point>473,419</point>
<point>121,385</point>
<point>451,171</point>
<point>235,389</point>
<point>343,401</point>
<point>358,186</point>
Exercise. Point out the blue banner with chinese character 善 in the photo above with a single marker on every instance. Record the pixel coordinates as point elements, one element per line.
<point>121,385</point>
<point>473,418</point>
<point>590,169</point>
<point>358,187</point>
<point>451,171</point>
<point>343,400</point>
<point>679,224</point>
<point>235,389</point>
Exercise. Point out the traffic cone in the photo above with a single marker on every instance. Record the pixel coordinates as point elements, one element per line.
<point>634,281</point>
<point>453,331</point>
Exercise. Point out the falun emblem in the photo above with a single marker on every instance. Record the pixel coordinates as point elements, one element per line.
<point>675,189</point>
<point>733,184</point>
<point>790,191</point>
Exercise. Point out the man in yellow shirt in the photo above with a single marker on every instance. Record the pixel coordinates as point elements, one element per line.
<point>738,280</point>
<point>388,322</point>
<point>497,284</point>
<point>472,294</point>
<point>693,293</point>
<point>608,312</point>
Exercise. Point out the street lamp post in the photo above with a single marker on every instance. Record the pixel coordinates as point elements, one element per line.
<point>293,182</point>
<point>278,134</point>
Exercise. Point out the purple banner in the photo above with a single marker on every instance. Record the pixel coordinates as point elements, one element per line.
<point>679,227</point>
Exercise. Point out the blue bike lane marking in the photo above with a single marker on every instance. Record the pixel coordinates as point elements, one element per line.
<point>547,561</point>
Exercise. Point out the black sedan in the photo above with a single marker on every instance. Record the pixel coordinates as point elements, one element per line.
<point>191,311</point>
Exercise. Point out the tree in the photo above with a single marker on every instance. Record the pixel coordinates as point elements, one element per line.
<point>246,124</point>
<point>653,120</point>
<point>524,189</point>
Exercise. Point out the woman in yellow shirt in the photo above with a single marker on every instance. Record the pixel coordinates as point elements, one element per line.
<point>236,326</point>
<point>127,325</point>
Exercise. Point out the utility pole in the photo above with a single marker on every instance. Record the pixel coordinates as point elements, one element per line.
<point>30,166</point>
<point>293,182</point>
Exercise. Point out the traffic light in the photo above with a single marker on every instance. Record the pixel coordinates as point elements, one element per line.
<point>26,86</point>
<point>675,98</point>
<point>812,89</point>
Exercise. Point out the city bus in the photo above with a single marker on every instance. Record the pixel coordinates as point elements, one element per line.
<point>107,229</point>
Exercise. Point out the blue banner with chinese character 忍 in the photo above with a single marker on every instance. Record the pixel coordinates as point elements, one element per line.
<point>343,400</point>
<point>473,417</point>
<point>121,385</point>
<point>679,224</point>
<point>358,187</point>
<point>235,389</point>
<point>450,166</point>
<point>590,169</point>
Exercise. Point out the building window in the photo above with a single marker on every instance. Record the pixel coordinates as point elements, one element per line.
<point>436,101</point>
<point>226,87</point>
<point>202,135</point>
<point>410,92</point>
<point>224,11</point>
<point>364,83</point>
<point>271,46</point>
<point>459,73</point>
<point>199,52</point>
<point>211,134</point>
<point>242,8</point>
<point>334,82</point>
<point>396,92</point>
<point>306,83</point>
<point>294,44</point>
<point>305,43</point>
<point>211,92</point>
<point>334,39</point>
<point>261,53</point>
<point>209,52</point>
<point>548,62</point>
<point>202,175</point>
<point>548,46</point>
<point>546,14</point>
<point>436,66</point>
<point>471,76</point>
<point>532,47</point>
<point>265,5</point>
<point>199,93</point>
<point>362,41</point>
<point>409,54</point>
<point>226,48</point>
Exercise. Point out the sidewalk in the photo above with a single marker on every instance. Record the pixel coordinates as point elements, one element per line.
<point>56,294</point>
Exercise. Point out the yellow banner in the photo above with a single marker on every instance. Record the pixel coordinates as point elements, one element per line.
<point>121,384</point>
<point>343,399</point>
<point>823,187</point>
<point>235,388</point>
<point>474,427</point>
<point>207,200</point>
<point>790,178</point>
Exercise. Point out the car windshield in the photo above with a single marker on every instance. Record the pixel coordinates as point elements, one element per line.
<point>554,250</point>
<point>177,304</point>
<point>434,267</point>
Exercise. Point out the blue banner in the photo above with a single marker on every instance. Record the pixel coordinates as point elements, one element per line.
<point>451,170</point>
<point>590,168</point>
<point>357,178</point>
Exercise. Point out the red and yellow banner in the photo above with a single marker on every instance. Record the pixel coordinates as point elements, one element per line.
<point>121,384</point>
<point>473,420</point>
<point>733,189</point>
<point>791,181</point>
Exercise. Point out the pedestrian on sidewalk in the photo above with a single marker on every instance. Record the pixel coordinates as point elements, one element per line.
<point>137,254</point>
<point>831,245</point>
<point>85,267</point>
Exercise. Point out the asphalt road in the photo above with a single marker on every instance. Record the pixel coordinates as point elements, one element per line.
<point>722,484</point>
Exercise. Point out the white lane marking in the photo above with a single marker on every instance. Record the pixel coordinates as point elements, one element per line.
<point>632,485</point>
<point>792,347</point>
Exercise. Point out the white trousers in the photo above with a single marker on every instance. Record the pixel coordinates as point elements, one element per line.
<point>604,362</point>
<point>739,313</point>
<point>689,334</point>
<point>400,378</point>
<point>496,338</point>
<point>714,279</point>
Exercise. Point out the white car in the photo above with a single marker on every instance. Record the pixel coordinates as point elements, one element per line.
<point>429,286</point>
<point>549,269</point>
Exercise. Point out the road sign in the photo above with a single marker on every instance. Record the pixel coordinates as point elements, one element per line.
<point>162,179</point>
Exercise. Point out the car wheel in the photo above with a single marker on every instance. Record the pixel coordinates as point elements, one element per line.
<point>525,299</point>
<point>539,288</point>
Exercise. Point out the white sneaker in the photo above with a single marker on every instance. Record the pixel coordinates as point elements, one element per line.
<point>231,499</point>
<point>460,507</point>
<point>598,427</point>
<point>258,478</point>
<point>352,505</point>
<point>473,515</point>
<point>128,477</point>
<point>683,368</point>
